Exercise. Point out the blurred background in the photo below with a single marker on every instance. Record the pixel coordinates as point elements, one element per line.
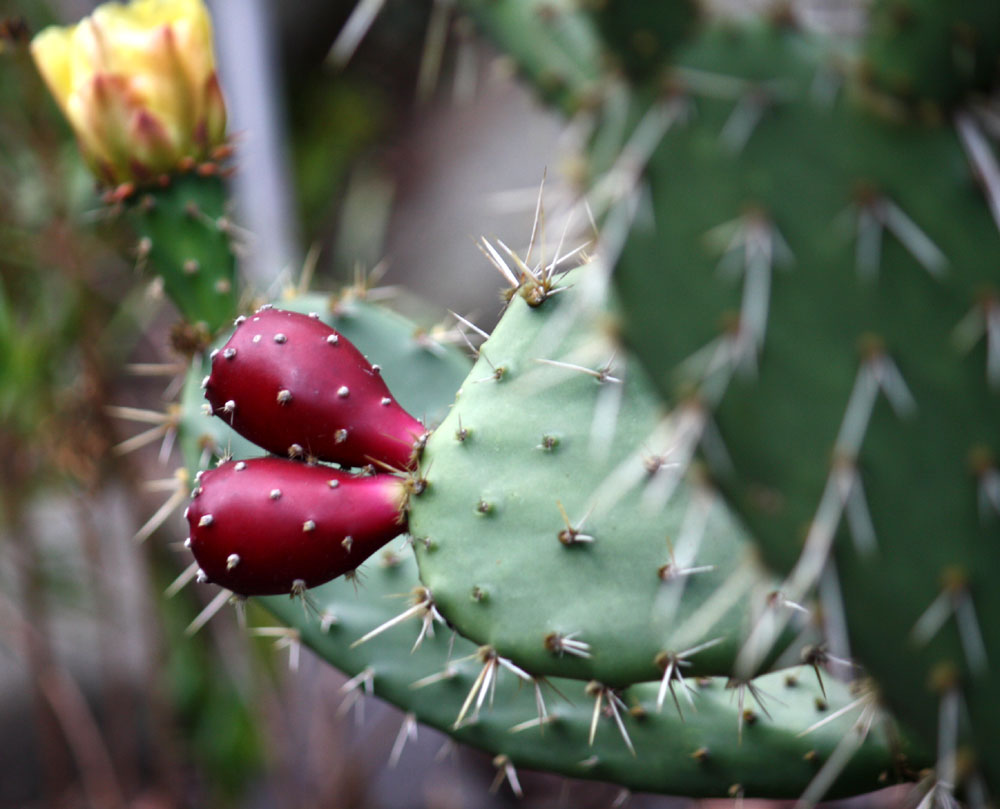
<point>394,162</point>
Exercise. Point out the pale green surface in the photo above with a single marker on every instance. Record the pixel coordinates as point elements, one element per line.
<point>503,577</point>
<point>770,760</point>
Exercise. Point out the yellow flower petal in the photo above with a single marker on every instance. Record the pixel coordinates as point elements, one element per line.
<point>51,51</point>
<point>137,83</point>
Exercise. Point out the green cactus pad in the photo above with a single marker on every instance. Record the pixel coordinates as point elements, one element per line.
<point>643,35</point>
<point>860,257</point>
<point>553,43</point>
<point>700,756</point>
<point>185,238</point>
<point>924,51</point>
<point>421,373</point>
<point>528,442</point>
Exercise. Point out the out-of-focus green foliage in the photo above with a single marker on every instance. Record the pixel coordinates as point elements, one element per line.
<point>47,303</point>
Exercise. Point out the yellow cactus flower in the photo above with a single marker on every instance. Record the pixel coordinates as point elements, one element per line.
<point>137,83</point>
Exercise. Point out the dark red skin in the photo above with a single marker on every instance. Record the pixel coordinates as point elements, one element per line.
<point>313,371</point>
<point>267,533</point>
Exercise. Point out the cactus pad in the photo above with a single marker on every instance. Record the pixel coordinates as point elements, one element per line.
<point>822,278</point>
<point>552,43</point>
<point>701,755</point>
<point>642,35</point>
<point>185,238</point>
<point>928,52</point>
<point>538,536</point>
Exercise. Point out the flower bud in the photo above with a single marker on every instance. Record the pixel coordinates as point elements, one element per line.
<point>137,82</point>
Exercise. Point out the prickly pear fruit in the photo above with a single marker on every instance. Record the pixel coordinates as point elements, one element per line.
<point>269,526</point>
<point>296,387</point>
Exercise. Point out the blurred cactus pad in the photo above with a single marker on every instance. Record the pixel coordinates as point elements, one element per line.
<point>824,297</point>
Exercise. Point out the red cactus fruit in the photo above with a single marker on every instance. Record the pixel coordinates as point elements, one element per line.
<point>268,526</point>
<point>296,387</point>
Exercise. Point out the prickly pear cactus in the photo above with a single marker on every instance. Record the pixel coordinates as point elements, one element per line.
<point>823,300</point>
<point>551,43</point>
<point>642,36</point>
<point>818,315</point>
<point>137,84</point>
<point>930,56</point>
<point>185,237</point>
<point>805,240</point>
<point>539,534</point>
<point>833,302</point>
<point>587,732</point>
<point>410,653</point>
